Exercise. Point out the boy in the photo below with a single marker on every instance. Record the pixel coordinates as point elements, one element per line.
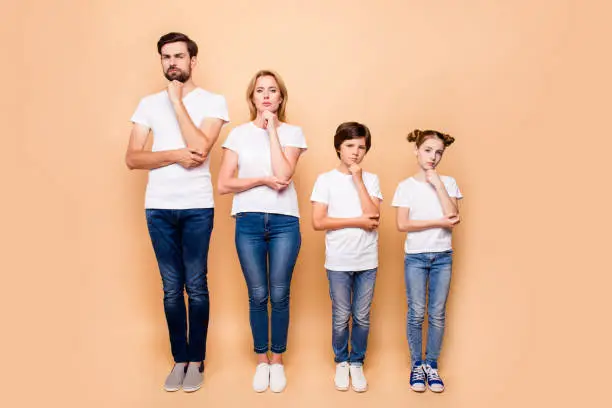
<point>346,202</point>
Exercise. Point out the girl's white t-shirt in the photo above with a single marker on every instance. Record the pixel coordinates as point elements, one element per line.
<point>347,249</point>
<point>252,144</point>
<point>422,199</point>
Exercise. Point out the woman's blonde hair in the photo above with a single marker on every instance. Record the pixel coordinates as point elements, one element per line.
<point>281,86</point>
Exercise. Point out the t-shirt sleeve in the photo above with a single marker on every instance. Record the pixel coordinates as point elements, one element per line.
<point>295,139</point>
<point>140,115</point>
<point>231,142</point>
<point>320,191</point>
<point>452,188</point>
<point>401,197</point>
<point>374,188</point>
<point>218,109</point>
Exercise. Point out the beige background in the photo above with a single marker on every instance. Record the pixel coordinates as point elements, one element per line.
<point>524,87</point>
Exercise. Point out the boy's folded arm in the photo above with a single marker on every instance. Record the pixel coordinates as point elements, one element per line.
<point>329,224</point>
<point>369,204</point>
<point>321,222</point>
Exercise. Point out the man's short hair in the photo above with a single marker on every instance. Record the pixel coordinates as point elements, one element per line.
<point>192,47</point>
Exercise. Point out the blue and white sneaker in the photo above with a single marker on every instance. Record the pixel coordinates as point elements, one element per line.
<point>417,377</point>
<point>434,381</point>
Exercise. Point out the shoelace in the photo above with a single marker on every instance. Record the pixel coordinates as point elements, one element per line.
<point>418,374</point>
<point>432,374</point>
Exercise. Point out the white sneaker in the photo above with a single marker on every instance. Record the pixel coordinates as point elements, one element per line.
<point>261,380</point>
<point>434,381</point>
<point>278,381</point>
<point>174,381</point>
<point>341,380</point>
<point>360,384</point>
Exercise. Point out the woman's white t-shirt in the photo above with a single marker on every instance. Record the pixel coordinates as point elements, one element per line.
<point>252,144</point>
<point>422,199</point>
<point>347,249</point>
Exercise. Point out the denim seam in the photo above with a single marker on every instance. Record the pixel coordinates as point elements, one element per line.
<point>278,349</point>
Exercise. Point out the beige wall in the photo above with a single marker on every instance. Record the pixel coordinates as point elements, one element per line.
<point>524,87</point>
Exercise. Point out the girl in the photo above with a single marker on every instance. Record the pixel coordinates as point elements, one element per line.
<point>264,153</point>
<point>427,209</point>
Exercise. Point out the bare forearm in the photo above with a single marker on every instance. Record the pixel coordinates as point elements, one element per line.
<point>145,160</point>
<point>238,185</point>
<point>367,205</point>
<point>194,138</point>
<point>280,165</point>
<point>330,224</point>
<point>417,225</point>
<point>448,207</point>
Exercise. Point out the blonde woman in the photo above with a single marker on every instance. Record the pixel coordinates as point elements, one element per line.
<point>259,161</point>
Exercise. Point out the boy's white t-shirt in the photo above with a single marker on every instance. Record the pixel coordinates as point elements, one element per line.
<point>173,186</point>
<point>422,199</point>
<point>252,144</point>
<point>347,249</point>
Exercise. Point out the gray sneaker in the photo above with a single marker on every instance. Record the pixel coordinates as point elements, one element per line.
<point>193,378</point>
<point>175,378</point>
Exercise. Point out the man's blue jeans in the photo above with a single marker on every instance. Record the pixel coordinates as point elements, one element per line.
<point>180,240</point>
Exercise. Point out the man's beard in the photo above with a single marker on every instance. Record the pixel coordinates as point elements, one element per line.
<point>177,75</point>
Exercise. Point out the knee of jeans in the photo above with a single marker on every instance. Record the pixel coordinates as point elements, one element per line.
<point>279,296</point>
<point>340,318</point>
<point>362,318</point>
<point>173,294</point>
<point>197,292</point>
<point>258,296</point>
<point>437,319</point>
<point>416,314</point>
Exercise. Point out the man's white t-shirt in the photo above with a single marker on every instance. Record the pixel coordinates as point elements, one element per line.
<point>173,186</point>
<point>347,249</point>
<point>422,199</point>
<point>252,144</point>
